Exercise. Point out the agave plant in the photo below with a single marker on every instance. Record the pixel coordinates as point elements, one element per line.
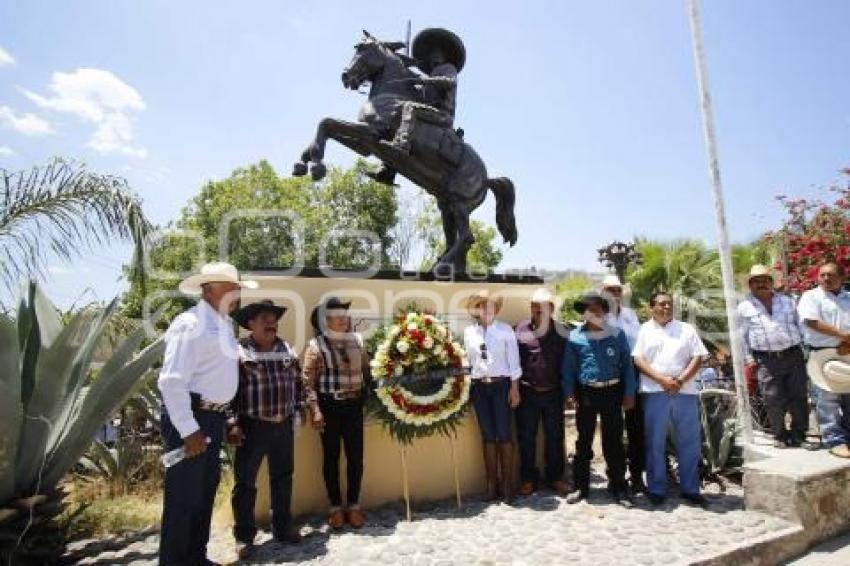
<point>50,411</point>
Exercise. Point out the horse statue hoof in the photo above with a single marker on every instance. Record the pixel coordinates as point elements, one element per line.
<point>318,171</point>
<point>299,169</point>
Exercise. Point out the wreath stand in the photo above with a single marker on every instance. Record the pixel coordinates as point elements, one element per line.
<point>405,480</point>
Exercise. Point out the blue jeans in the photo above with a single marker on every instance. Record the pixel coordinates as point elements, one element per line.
<point>492,410</point>
<point>833,410</point>
<point>661,410</point>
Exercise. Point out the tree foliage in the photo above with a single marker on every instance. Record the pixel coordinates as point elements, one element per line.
<point>257,219</point>
<point>62,209</point>
<point>813,233</point>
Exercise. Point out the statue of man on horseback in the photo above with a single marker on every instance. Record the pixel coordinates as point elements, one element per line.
<point>408,123</point>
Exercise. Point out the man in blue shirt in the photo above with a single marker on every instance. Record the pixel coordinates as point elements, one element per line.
<point>597,373</point>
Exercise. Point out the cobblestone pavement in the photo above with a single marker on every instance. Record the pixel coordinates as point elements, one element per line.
<point>540,529</point>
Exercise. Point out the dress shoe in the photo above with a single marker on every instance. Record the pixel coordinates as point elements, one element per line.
<point>577,496</point>
<point>637,486</point>
<point>527,488</point>
<point>561,487</point>
<point>336,519</point>
<point>656,499</point>
<point>779,443</point>
<point>355,518</point>
<point>695,499</point>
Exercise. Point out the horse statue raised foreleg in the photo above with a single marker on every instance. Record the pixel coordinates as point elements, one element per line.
<point>356,136</point>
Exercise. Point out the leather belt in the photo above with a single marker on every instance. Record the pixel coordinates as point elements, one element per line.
<point>602,384</point>
<point>344,395</point>
<point>776,354</point>
<point>488,380</point>
<point>205,405</point>
<point>539,389</point>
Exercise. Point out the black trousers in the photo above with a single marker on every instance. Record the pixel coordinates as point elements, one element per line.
<point>784,385</point>
<point>274,441</point>
<point>606,403</point>
<point>635,447</point>
<point>343,423</point>
<point>189,494</point>
<point>535,406</point>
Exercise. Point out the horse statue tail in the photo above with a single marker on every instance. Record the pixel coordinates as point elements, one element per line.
<point>503,189</point>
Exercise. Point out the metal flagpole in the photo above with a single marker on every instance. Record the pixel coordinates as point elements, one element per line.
<point>720,220</point>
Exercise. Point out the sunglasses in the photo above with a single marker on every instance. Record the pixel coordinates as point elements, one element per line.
<point>483,351</point>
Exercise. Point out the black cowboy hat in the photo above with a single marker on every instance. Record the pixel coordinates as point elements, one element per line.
<point>430,38</point>
<point>331,303</point>
<point>581,304</point>
<point>247,313</point>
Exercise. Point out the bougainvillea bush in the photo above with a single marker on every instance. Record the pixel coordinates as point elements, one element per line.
<point>815,232</point>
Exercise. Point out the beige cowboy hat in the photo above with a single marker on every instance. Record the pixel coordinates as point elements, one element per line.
<point>829,370</point>
<point>759,270</point>
<point>216,272</point>
<point>543,295</point>
<point>484,296</point>
<point>611,281</point>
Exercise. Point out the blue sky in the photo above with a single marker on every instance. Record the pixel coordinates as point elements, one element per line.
<point>590,107</point>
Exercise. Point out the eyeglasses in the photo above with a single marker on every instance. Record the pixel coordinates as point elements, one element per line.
<point>483,351</point>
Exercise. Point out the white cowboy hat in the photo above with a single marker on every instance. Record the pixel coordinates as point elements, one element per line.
<point>759,270</point>
<point>829,371</point>
<point>484,296</point>
<point>611,281</point>
<point>543,295</point>
<point>216,272</point>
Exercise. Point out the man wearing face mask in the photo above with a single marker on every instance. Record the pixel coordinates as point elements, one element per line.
<point>597,374</point>
<point>668,354</point>
<point>541,340</point>
<point>772,339</point>
<point>825,312</point>
<point>270,393</point>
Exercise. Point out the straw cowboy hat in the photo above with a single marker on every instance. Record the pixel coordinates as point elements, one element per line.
<point>216,272</point>
<point>484,296</point>
<point>759,270</point>
<point>829,371</point>
<point>247,313</point>
<point>611,281</point>
<point>543,295</point>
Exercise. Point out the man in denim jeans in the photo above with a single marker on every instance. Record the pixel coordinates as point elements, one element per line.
<point>825,312</point>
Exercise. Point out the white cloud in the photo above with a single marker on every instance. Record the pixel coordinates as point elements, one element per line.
<point>6,151</point>
<point>99,97</point>
<point>6,58</point>
<point>26,124</point>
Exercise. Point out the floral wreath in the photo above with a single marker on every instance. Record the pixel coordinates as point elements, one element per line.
<point>421,384</point>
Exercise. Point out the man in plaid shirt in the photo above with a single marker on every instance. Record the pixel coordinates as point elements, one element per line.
<point>270,393</point>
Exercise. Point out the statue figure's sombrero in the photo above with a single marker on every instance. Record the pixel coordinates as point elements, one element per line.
<point>430,38</point>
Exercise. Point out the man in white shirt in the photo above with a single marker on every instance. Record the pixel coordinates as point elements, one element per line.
<point>668,354</point>
<point>626,319</point>
<point>493,353</point>
<point>825,312</point>
<point>772,340</point>
<point>198,379</point>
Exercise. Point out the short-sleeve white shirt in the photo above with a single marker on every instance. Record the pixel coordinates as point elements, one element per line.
<point>668,349</point>
<point>831,308</point>
<point>502,357</point>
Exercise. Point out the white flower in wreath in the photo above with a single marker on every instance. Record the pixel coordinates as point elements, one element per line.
<point>428,343</point>
<point>441,331</point>
<point>421,359</point>
<point>411,317</point>
<point>403,346</point>
<point>438,350</point>
<point>412,326</point>
<point>394,330</point>
<point>398,371</point>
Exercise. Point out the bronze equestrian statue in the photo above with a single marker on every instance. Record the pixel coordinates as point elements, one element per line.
<point>408,123</point>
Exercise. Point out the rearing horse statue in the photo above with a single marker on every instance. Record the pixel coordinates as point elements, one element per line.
<point>438,160</point>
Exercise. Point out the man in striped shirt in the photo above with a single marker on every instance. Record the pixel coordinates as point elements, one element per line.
<point>270,393</point>
<point>772,338</point>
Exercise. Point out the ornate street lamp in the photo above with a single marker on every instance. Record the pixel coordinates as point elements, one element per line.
<point>618,256</point>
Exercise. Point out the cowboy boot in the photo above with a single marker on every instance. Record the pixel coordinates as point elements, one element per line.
<point>506,460</point>
<point>491,469</point>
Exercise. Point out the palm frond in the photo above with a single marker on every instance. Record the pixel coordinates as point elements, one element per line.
<point>62,209</point>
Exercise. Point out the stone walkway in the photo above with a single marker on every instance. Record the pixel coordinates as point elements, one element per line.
<point>541,529</point>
